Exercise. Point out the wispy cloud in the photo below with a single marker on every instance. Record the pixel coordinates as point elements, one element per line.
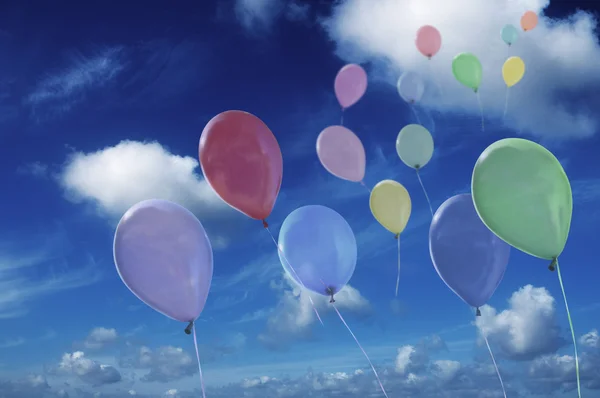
<point>60,91</point>
<point>262,270</point>
<point>10,343</point>
<point>44,270</point>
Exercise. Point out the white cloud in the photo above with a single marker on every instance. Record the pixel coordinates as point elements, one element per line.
<point>294,315</point>
<point>56,271</point>
<point>165,364</point>
<point>412,359</point>
<point>10,343</point>
<point>591,339</point>
<point>258,16</point>
<point>561,57</point>
<point>92,372</point>
<point>527,329</point>
<point>61,91</point>
<point>100,338</point>
<point>117,177</point>
<point>557,372</point>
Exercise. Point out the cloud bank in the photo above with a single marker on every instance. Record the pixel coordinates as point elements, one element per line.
<point>554,100</point>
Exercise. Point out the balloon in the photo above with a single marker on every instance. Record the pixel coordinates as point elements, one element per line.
<point>350,85</point>
<point>342,153</point>
<point>411,87</point>
<point>320,246</point>
<point>523,195</point>
<point>391,206</point>
<point>513,71</point>
<point>414,146</point>
<point>468,257</point>
<point>242,162</point>
<point>467,70</point>
<point>509,34</point>
<point>164,257</point>
<point>529,20</point>
<point>428,41</point>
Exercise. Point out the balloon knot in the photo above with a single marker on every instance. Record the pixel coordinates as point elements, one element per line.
<point>396,236</point>
<point>552,265</point>
<point>188,330</point>
<point>265,224</point>
<point>478,312</point>
<point>330,292</point>
<point>475,90</point>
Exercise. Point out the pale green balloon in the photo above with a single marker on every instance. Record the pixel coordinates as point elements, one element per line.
<point>414,146</point>
<point>467,70</point>
<point>523,195</point>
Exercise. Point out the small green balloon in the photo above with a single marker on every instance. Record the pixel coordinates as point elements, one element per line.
<point>523,195</point>
<point>467,70</point>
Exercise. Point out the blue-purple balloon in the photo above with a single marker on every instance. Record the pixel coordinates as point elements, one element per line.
<point>320,247</point>
<point>164,257</point>
<point>468,257</point>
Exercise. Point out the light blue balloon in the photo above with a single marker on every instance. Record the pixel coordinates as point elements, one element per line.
<point>320,247</point>
<point>509,34</point>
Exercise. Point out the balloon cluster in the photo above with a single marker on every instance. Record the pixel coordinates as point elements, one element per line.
<point>520,197</point>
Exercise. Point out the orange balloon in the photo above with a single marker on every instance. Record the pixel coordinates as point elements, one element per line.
<point>529,20</point>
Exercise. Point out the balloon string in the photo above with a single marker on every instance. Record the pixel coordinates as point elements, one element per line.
<point>487,343</point>
<point>363,184</point>
<point>362,349</point>
<point>295,273</point>
<point>562,288</point>
<point>342,118</point>
<point>480,111</point>
<point>398,274</point>
<point>425,192</point>
<point>505,103</point>
<point>198,358</point>
<point>435,79</point>
<point>412,108</point>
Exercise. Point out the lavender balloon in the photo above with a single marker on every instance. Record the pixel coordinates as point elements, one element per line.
<point>164,257</point>
<point>468,257</point>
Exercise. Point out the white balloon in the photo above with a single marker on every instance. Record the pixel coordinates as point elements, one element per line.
<point>414,146</point>
<point>411,87</point>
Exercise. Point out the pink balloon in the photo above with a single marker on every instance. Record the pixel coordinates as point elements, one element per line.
<point>342,153</point>
<point>350,85</point>
<point>429,40</point>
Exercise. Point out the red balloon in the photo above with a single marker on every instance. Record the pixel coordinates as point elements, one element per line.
<point>242,162</point>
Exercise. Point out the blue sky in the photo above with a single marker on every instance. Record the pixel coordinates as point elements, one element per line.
<point>102,106</point>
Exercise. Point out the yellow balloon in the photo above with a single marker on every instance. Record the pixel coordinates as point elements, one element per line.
<point>513,71</point>
<point>391,206</point>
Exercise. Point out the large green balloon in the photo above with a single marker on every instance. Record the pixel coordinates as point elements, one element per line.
<point>523,195</point>
<point>467,70</point>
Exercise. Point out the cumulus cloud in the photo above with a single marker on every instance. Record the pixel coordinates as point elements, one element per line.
<point>527,329</point>
<point>552,373</point>
<point>29,386</point>
<point>591,339</point>
<point>294,315</point>
<point>77,365</point>
<point>117,177</point>
<point>100,338</point>
<point>555,99</point>
<point>412,359</point>
<point>165,364</point>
